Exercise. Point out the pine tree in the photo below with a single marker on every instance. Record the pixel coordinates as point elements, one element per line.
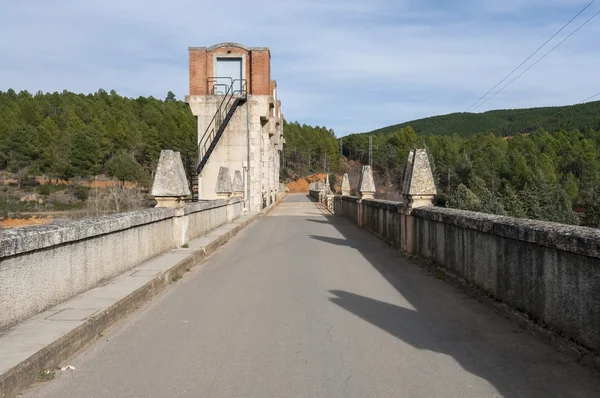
<point>463,198</point>
<point>124,167</point>
<point>512,203</point>
<point>592,213</point>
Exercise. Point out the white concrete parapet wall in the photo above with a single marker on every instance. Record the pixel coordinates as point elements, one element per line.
<point>322,193</point>
<point>549,271</point>
<point>45,265</point>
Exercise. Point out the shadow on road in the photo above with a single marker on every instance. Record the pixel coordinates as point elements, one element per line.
<point>448,322</point>
<point>333,241</point>
<point>317,221</point>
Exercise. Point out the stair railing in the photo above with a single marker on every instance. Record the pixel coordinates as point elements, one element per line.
<point>236,89</point>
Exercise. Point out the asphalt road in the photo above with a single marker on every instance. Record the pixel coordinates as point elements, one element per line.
<point>303,305</point>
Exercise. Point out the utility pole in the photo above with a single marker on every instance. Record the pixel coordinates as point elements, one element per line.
<point>371,150</point>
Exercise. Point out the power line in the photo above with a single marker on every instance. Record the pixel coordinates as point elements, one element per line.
<point>589,98</point>
<point>528,58</point>
<point>537,61</point>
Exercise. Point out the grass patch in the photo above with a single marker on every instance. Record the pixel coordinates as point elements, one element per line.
<point>46,375</point>
<point>175,278</point>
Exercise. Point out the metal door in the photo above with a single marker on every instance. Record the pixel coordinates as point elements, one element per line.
<point>228,70</point>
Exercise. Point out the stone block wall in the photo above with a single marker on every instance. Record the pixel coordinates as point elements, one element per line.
<point>327,199</point>
<point>549,271</point>
<point>235,208</point>
<point>43,266</point>
<point>205,216</point>
<point>349,207</point>
<point>382,217</point>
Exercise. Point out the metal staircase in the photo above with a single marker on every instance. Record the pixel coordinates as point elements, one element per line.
<point>234,94</point>
<point>194,184</point>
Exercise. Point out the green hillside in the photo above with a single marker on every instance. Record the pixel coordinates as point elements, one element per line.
<point>506,122</point>
<point>66,135</point>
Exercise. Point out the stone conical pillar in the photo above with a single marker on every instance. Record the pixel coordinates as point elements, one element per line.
<point>170,188</point>
<point>327,186</point>
<point>418,190</point>
<point>366,186</point>
<point>170,185</point>
<point>237,187</point>
<point>419,186</point>
<point>224,187</point>
<point>345,185</point>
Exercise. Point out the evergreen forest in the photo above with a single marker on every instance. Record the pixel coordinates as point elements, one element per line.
<point>541,163</point>
<point>66,135</point>
<point>506,122</point>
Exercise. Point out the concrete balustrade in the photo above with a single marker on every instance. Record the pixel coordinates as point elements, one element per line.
<point>349,207</point>
<point>550,272</point>
<point>383,219</point>
<point>321,192</point>
<point>45,265</point>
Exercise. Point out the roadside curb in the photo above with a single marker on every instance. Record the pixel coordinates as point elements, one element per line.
<point>51,356</point>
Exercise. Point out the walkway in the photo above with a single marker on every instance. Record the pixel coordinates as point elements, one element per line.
<point>303,305</point>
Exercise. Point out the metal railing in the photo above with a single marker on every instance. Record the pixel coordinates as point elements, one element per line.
<point>233,93</point>
<point>216,86</point>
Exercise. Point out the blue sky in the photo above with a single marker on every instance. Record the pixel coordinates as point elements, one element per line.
<point>350,65</point>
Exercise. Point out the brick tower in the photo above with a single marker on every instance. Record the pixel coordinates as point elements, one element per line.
<point>240,125</point>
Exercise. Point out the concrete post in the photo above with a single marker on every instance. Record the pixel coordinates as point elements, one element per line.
<point>418,190</point>
<point>170,188</point>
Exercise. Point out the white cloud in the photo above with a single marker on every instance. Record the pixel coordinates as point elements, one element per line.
<point>351,65</point>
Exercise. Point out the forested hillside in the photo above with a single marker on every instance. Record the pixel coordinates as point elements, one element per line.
<point>309,150</point>
<point>64,135</point>
<point>506,122</point>
<point>543,175</point>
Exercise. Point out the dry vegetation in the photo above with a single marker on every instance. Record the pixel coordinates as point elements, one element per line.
<point>38,201</point>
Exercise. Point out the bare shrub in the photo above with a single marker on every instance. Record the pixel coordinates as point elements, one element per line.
<point>115,198</point>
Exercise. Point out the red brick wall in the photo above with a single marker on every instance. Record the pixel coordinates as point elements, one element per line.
<point>261,73</point>
<point>198,74</point>
<point>223,50</point>
<point>258,69</point>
